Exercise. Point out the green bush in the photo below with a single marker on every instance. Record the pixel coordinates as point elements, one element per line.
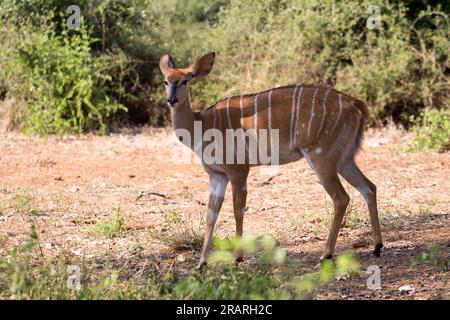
<point>66,86</point>
<point>398,69</point>
<point>432,131</point>
<point>66,89</point>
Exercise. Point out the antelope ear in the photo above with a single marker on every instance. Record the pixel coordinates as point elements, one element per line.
<point>203,66</point>
<point>166,62</point>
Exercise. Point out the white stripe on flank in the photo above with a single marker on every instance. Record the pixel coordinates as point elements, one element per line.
<point>256,115</point>
<point>297,112</point>
<point>269,121</point>
<point>312,112</point>
<point>339,114</point>
<point>242,111</point>
<point>241,106</point>
<point>270,110</point>
<point>292,117</point>
<point>228,113</point>
<point>324,112</point>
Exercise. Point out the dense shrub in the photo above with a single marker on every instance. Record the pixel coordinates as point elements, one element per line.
<point>65,87</point>
<point>432,131</point>
<point>399,68</point>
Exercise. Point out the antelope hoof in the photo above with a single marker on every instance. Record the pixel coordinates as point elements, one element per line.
<point>326,257</point>
<point>238,256</point>
<point>377,251</point>
<point>322,260</point>
<point>201,265</point>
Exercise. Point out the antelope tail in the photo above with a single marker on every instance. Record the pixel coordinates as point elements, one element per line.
<point>362,106</point>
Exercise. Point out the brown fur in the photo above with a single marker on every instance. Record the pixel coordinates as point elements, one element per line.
<point>319,123</point>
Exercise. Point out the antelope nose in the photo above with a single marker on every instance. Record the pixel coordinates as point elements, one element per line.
<point>172,100</point>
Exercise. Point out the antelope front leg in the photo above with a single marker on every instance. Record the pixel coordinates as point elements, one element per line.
<point>218,185</point>
<point>239,189</point>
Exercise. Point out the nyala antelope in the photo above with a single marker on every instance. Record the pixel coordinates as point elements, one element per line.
<point>314,122</point>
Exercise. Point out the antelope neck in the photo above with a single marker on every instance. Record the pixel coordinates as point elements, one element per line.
<point>183,117</point>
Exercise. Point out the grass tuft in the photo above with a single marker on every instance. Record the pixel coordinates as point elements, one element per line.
<point>178,233</point>
<point>108,229</point>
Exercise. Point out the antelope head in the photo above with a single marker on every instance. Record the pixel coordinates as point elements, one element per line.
<point>176,80</point>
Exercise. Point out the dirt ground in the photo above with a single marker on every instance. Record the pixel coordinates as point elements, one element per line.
<point>68,183</point>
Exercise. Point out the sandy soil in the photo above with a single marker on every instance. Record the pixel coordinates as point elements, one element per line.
<point>64,184</point>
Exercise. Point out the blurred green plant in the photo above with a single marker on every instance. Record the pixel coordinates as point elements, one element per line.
<point>433,257</point>
<point>267,245</point>
<point>274,276</point>
<point>25,276</point>
<point>432,131</point>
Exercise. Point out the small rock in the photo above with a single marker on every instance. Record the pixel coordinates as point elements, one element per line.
<point>182,257</point>
<point>77,252</point>
<point>317,220</point>
<point>74,189</point>
<point>47,245</point>
<point>342,278</point>
<point>407,289</point>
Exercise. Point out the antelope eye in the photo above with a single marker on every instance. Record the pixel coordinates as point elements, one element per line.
<point>184,83</point>
<point>166,83</point>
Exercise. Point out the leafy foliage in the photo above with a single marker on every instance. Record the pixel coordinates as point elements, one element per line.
<point>65,88</point>
<point>432,130</point>
<point>112,62</point>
